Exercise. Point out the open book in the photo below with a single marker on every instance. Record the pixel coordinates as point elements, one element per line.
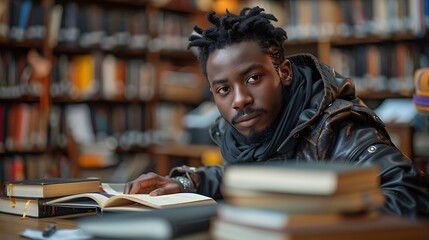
<point>113,200</point>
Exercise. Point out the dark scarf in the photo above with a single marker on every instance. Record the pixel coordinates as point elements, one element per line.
<point>235,149</point>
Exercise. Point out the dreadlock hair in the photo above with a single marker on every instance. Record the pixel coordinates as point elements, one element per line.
<point>250,25</point>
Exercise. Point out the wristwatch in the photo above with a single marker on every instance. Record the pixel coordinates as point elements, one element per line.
<point>187,176</point>
<point>186,183</point>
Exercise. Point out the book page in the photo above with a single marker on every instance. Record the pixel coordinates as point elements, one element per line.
<point>113,188</point>
<point>82,200</point>
<point>162,201</point>
<point>129,208</point>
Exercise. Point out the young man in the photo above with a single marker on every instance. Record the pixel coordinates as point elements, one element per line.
<point>275,108</point>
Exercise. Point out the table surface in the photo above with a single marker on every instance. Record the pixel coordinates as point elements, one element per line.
<point>11,226</point>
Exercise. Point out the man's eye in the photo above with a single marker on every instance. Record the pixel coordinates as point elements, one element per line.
<point>222,90</point>
<point>253,78</point>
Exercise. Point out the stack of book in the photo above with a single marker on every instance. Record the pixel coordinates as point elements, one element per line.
<point>301,201</point>
<point>28,198</point>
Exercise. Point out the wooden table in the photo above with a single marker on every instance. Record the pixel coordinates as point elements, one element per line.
<point>11,226</point>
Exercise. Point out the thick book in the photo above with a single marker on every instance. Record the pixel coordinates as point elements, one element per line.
<point>130,202</point>
<point>158,224</point>
<point>302,178</point>
<point>304,203</point>
<point>280,220</point>
<point>36,207</point>
<point>51,187</point>
<point>374,228</point>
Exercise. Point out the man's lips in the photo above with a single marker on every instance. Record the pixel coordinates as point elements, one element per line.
<point>247,120</point>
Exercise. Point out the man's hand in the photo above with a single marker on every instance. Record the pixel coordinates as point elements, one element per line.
<point>153,184</point>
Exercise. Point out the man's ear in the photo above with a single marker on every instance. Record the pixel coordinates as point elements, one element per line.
<point>286,73</point>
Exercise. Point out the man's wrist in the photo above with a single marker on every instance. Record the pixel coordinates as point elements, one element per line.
<point>187,184</point>
<point>190,173</point>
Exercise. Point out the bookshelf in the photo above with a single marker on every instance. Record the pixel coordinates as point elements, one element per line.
<point>120,69</point>
<point>379,44</point>
<point>127,62</point>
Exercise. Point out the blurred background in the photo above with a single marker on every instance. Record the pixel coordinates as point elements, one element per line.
<point>107,88</point>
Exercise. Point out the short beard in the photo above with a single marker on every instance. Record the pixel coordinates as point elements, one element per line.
<point>262,136</point>
<point>265,135</point>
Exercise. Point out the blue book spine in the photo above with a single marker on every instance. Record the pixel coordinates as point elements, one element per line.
<point>26,6</point>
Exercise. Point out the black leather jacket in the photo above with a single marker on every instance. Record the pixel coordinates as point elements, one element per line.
<point>343,128</point>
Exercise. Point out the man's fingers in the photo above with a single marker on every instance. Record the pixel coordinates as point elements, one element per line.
<point>153,184</point>
<point>135,188</point>
<point>127,188</point>
<point>167,189</point>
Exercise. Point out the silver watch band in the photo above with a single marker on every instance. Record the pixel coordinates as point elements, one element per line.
<point>186,183</point>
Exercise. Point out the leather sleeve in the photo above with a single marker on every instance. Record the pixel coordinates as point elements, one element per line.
<point>404,185</point>
<point>210,181</point>
<point>358,136</point>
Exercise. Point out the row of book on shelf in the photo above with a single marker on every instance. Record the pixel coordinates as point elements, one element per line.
<point>101,76</point>
<point>315,19</point>
<point>80,24</point>
<point>381,67</point>
<point>81,77</point>
<point>279,201</point>
<point>107,26</point>
<point>92,160</point>
<point>22,19</point>
<point>121,126</point>
<point>19,167</point>
<point>24,128</point>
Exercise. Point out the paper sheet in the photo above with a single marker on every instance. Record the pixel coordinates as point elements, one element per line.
<point>63,234</point>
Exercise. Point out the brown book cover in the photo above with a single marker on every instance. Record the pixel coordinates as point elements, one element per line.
<point>51,187</point>
<point>300,203</point>
<point>314,178</point>
<point>278,220</point>
<point>357,228</point>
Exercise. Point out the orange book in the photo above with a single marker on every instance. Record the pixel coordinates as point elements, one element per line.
<point>121,67</point>
<point>82,74</point>
<point>18,169</point>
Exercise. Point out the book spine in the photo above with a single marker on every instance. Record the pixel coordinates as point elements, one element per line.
<point>33,207</point>
<point>52,211</point>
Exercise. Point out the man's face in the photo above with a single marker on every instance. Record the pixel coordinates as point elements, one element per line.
<point>246,87</point>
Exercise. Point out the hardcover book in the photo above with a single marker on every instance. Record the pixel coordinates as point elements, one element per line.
<point>304,203</point>
<point>379,227</point>
<point>280,220</point>
<point>51,187</point>
<point>168,223</point>
<point>36,207</point>
<point>302,178</point>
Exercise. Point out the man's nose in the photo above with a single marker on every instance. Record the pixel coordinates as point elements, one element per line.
<point>242,97</point>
